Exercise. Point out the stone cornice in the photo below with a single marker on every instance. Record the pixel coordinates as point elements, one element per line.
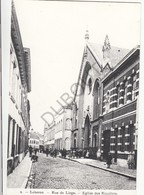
<point>18,46</point>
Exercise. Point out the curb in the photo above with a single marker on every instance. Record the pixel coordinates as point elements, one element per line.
<point>113,171</point>
<point>109,170</point>
<point>24,184</point>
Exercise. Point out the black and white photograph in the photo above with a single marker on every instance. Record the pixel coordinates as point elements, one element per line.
<point>73,96</point>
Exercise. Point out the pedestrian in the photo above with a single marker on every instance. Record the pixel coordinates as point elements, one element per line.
<point>84,153</point>
<point>55,152</point>
<point>47,152</point>
<point>109,160</point>
<point>131,161</point>
<point>87,154</point>
<point>35,151</point>
<point>70,154</point>
<point>65,153</point>
<point>76,153</point>
<point>30,151</point>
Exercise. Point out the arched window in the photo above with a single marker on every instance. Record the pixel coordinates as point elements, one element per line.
<point>89,85</point>
<point>87,137</point>
<point>75,140</point>
<point>96,94</point>
<point>68,123</point>
<point>67,143</point>
<point>95,139</point>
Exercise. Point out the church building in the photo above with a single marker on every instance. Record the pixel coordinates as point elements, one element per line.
<point>105,101</point>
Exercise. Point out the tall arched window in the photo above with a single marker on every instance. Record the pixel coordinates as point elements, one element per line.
<point>96,94</point>
<point>87,138</point>
<point>75,140</point>
<point>67,143</point>
<point>95,139</point>
<point>68,123</point>
<point>89,85</point>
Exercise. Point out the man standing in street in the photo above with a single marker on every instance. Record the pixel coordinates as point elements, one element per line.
<point>109,160</point>
<point>30,151</point>
<point>47,152</point>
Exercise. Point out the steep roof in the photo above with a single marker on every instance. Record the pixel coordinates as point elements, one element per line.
<point>116,53</point>
<point>39,135</point>
<point>23,54</point>
<point>133,52</point>
<point>34,136</point>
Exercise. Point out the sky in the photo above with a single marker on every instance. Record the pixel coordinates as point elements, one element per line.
<point>55,31</point>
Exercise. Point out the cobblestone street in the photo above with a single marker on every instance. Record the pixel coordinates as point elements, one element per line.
<point>58,173</point>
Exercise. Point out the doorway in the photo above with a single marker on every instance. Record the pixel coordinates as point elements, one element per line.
<point>106,145</point>
<point>87,132</point>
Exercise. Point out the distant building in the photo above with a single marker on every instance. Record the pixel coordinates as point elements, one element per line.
<point>58,134</point>
<point>49,136</point>
<point>41,141</point>
<point>34,140</point>
<point>19,105</point>
<point>105,101</point>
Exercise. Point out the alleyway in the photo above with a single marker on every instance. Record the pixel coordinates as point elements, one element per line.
<point>60,173</point>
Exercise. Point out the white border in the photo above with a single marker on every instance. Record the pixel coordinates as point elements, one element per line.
<point>6,19</point>
<point>5,7</point>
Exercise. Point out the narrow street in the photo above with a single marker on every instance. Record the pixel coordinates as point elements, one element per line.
<point>58,173</point>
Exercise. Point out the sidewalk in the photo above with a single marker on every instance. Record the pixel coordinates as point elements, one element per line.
<point>102,165</point>
<point>19,177</point>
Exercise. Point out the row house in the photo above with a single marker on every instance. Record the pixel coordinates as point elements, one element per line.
<point>105,101</point>
<point>19,105</point>
<point>35,140</point>
<point>49,132</point>
<point>58,134</point>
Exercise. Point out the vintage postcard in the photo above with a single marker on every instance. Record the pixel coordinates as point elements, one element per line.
<point>73,97</point>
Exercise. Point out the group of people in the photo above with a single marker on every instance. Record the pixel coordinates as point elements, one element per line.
<point>32,151</point>
<point>63,153</point>
<point>76,153</point>
<point>130,161</point>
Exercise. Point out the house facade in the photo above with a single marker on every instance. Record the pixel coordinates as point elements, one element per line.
<point>120,96</point>
<point>19,105</point>
<point>58,134</point>
<point>34,140</point>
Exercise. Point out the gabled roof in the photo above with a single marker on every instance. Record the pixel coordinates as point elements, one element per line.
<point>131,53</point>
<point>116,56</point>
<point>34,136</point>
<point>116,53</point>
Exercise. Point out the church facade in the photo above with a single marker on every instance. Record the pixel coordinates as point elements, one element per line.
<point>105,101</point>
